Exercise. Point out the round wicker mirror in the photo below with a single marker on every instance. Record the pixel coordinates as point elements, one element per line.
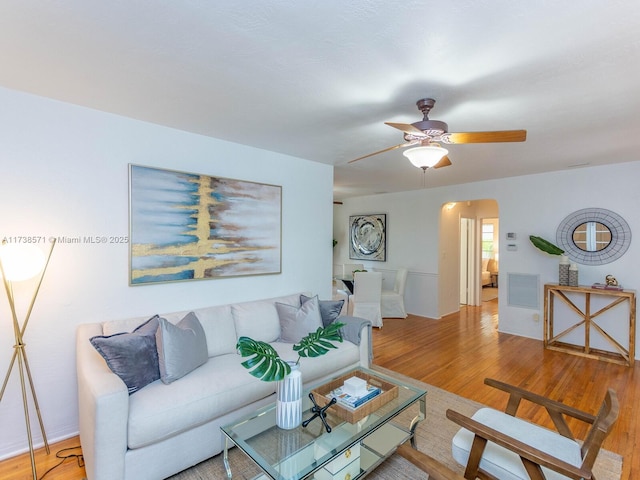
<point>594,236</point>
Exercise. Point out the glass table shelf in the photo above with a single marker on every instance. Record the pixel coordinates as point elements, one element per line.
<point>311,452</point>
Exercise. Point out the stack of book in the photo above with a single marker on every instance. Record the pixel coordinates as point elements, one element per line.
<point>354,401</point>
<point>604,286</point>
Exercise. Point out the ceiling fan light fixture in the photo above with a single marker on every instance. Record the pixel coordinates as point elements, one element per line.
<point>425,156</point>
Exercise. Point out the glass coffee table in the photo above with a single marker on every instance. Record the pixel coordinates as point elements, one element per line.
<point>350,451</point>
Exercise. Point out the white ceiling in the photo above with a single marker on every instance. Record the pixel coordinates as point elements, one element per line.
<point>317,80</point>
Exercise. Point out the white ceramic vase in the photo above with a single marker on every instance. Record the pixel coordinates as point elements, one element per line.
<point>289,399</point>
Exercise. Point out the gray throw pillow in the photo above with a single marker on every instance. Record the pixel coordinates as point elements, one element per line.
<point>296,323</point>
<point>329,309</point>
<point>181,348</point>
<point>132,356</point>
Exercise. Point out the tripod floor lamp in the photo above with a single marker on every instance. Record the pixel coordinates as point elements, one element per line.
<point>21,262</point>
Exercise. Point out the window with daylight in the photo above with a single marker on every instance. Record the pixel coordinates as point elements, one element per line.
<point>487,240</point>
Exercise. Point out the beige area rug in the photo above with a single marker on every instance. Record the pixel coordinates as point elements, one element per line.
<point>489,293</point>
<point>433,436</point>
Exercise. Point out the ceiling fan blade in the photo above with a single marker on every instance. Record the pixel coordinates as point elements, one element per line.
<point>444,162</point>
<point>407,128</point>
<point>486,137</point>
<point>402,145</point>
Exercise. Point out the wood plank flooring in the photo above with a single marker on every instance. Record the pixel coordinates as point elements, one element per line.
<point>456,353</point>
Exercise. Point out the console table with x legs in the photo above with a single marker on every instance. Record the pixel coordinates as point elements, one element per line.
<point>622,354</point>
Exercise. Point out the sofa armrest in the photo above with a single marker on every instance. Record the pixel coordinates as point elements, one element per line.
<point>103,402</point>
<point>358,331</point>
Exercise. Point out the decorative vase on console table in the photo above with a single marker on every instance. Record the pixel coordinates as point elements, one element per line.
<point>573,275</point>
<point>289,399</point>
<point>563,274</point>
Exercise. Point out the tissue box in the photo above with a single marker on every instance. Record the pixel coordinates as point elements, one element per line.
<point>354,386</point>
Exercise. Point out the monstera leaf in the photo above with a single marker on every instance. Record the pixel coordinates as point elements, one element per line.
<point>319,342</point>
<point>265,364</point>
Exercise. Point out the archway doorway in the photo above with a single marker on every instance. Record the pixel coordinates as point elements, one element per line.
<point>458,268</point>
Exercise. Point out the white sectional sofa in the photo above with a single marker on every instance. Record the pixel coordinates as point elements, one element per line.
<point>162,429</point>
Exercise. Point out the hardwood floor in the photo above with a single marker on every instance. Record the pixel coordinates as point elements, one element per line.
<point>456,353</point>
<point>63,454</point>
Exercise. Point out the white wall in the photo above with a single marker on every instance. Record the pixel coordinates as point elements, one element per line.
<point>528,205</point>
<point>65,173</point>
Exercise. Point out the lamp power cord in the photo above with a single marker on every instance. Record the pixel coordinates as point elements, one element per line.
<point>65,454</point>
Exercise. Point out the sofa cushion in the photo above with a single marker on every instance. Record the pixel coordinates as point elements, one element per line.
<point>259,319</point>
<point>329,309</point>
<point>216,321</point>
<point>181,348</point>
<point>219,328</point>
<point>112,327</point>
<point>298,322</point>
<point>132,356</point>
<point>218,387</point>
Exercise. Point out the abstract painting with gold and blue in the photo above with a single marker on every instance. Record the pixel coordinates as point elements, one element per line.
<point>186,226</point>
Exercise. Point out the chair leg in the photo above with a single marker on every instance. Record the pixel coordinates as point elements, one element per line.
<point>435,469</point>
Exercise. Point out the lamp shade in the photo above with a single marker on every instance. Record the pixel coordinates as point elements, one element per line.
<point>21,261</point>
<point>425,157</point>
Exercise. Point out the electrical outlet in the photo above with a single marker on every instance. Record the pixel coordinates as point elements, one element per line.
<point>536,317</point>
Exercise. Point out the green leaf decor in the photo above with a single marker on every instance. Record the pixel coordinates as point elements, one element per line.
<point>545,246</point>
<point>265,364</point>
<point>319,342</point>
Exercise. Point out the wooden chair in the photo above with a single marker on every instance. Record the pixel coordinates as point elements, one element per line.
<point>497,445</point>
<point>435,469</point>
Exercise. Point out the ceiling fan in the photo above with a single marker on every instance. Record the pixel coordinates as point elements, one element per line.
<point>426,135</point>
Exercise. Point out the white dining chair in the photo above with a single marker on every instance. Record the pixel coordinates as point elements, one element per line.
<point>392,301</point>
<point>365,301</point>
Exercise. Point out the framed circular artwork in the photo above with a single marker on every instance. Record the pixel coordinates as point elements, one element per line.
<point>368,237</point>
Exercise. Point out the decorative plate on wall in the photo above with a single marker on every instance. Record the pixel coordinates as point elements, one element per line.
<point>368,237</point>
